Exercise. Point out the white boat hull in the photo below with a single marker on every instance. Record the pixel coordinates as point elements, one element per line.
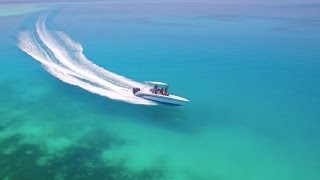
<point>170,99</point>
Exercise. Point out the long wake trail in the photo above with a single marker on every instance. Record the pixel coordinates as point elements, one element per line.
<point>63,58</point>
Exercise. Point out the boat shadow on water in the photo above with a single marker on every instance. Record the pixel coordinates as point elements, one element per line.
<point>173,118</point>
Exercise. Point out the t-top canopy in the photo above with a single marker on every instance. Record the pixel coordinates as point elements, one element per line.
<point>154,83</point>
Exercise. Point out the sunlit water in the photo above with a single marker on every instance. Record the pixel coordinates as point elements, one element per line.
<point>250,70</point>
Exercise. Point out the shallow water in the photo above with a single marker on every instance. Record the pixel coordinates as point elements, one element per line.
<point>251,77</point>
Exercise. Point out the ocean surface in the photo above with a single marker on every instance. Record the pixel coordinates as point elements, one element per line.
<point>251,70</point>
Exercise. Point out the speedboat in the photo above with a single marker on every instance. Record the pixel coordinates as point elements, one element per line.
<point>158,91</point>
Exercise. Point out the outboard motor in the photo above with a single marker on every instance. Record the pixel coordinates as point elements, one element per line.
<point>135,90</point>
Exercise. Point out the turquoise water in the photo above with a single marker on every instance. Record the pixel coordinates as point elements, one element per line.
<point>250,70</point>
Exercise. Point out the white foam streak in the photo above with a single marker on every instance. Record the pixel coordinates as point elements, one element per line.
<point>63,58</point>
<point>102,73</point>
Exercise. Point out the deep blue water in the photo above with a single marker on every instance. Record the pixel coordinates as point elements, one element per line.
<point>250,70</point>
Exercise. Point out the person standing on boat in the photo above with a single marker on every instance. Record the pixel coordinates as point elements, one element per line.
<point>162,91</point>
<point>155,89</point>
<point>166,91</point>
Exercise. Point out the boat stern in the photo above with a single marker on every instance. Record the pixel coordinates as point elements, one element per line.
<point>135,90</point>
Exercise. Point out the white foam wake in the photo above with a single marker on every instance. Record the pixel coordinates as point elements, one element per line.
<point>63,58</point>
